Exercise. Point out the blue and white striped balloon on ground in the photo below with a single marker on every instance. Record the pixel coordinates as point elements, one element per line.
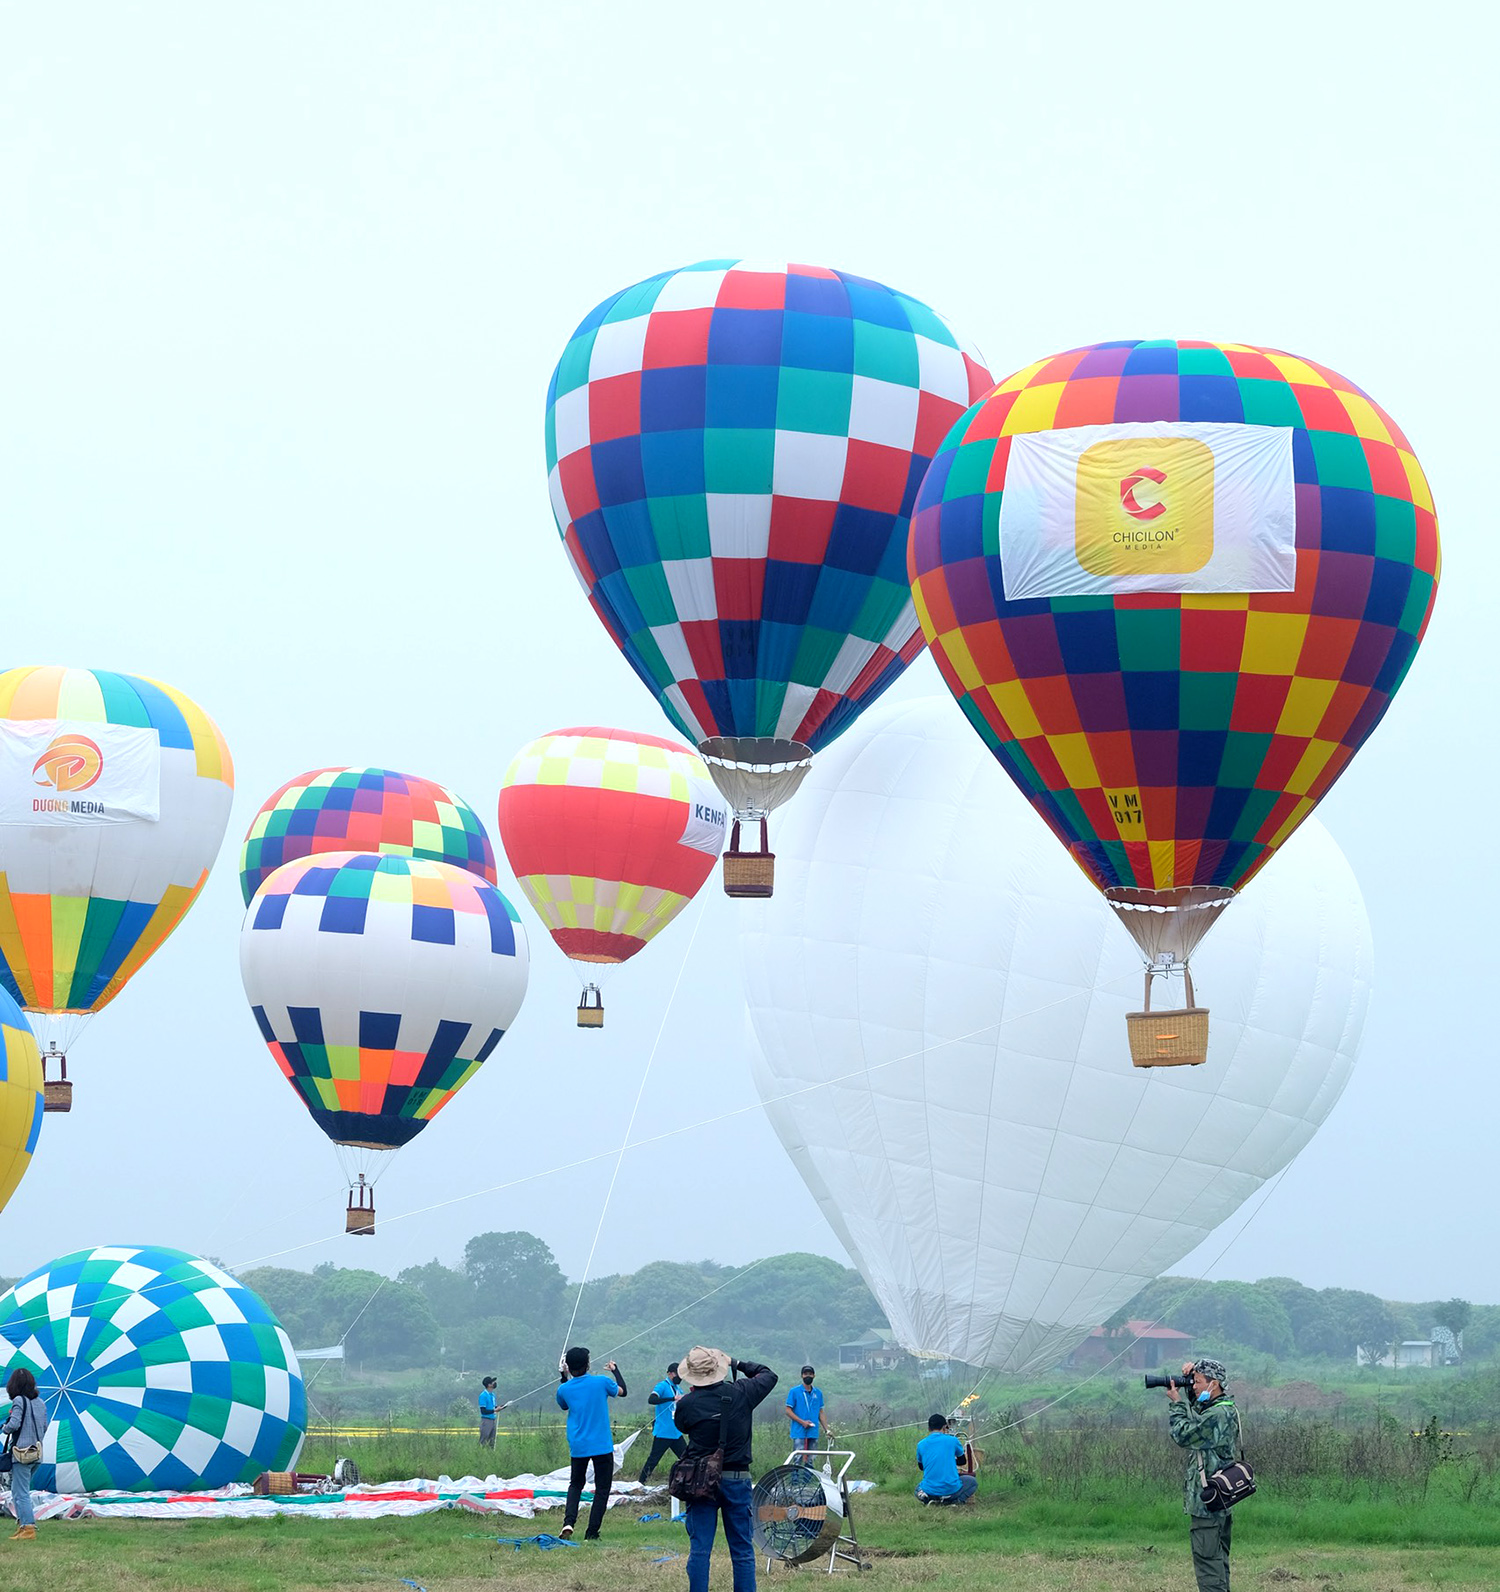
<point>159,1371</point>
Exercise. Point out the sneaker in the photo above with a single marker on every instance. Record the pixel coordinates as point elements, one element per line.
<point>566,1532</point>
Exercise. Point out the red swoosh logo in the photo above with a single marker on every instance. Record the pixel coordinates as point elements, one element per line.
<point>1139,511</point>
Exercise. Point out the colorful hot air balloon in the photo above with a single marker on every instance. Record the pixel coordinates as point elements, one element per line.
<point>114,794</point>
<point>610,834</point>
<point>363,809</point>
<point>734,450</point>
<point>159,1372</point>
<point>381,985</point>
<point>1002,1184</point>
<point>20,1096</point>
<point>1174,586</point>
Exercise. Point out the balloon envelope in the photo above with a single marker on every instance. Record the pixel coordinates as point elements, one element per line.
<point>363,809</point>
<point>381,985</point>
<point>734,451</point>
<point>610,834</point>
<point>1173,725</point>
<point>159,1371</point>
<point>20,1096</point>
<point>88,893</point>
<point>1003,1184</point>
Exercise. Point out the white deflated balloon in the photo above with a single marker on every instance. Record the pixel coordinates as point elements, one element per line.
<point>1001,1175</point>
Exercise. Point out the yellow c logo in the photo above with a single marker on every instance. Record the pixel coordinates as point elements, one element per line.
<point>72,762</point>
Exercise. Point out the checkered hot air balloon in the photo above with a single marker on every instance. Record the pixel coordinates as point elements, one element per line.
<point>733,452</point>
<point>1174,585</point>
<point>381,986</point>
<point>610,834</point>
<point>114,794</point>
<point>158,1370</point>
<point>363,809</point>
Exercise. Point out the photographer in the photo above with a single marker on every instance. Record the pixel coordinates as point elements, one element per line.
<point>711,1405</point>
<point>1207,1427</point>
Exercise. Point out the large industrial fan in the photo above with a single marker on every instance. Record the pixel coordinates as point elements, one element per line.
<point>802,1514</point>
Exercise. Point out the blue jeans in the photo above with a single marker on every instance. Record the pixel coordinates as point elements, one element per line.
<point>967,1487</point>
<point>703,1521</point>
<point>20,1494</point>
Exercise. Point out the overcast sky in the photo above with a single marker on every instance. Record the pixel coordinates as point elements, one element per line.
<point>282,287</point>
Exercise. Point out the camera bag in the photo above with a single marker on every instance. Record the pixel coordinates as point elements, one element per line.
<point>1231,1484</point>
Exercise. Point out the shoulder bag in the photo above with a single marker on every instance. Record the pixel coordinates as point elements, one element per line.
<point>1231,1484</point>
<point>32,1453</point>
<point>695,1479</point>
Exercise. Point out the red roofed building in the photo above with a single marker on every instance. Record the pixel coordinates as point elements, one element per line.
<point>1139,1345</point>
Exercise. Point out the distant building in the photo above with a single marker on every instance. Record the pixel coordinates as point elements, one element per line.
<point>1420,1352</point>
<point>1137,1346</point>
<point>876,1351</point>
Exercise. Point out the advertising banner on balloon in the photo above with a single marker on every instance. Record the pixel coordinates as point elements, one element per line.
<point>1158,506</point>
<point>57,771</point>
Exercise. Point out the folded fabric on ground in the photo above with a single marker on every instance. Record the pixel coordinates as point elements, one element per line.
<point>521,1496</point>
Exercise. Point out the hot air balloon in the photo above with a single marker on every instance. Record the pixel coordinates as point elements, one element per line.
<point>114,794</point>
<point>1174,586</point>
<point>610,834</point>
<point>20,1096</point>
<point>381,985</point>
<point>159,1371</point>
<point>363,809</point>
<point>733,452</point>
<point>934,1013</point>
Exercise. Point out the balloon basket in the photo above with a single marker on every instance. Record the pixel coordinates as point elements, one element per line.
<point>359,1219</point>
<point>749,875</point>
<point>590,1016</point>
<point>275,1483</point>
<point>57,1095</point>
<point>1176,1038</point>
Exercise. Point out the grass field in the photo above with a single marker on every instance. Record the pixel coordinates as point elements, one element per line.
<point>1062,1510</point>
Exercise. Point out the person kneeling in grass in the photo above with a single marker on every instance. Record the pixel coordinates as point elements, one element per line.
<point>939,1455</point>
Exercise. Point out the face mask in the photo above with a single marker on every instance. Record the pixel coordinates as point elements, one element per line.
<point>1204,1396</point>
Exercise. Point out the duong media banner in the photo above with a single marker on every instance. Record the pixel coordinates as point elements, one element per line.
<point>59,771</point>
<point>1151,506</point>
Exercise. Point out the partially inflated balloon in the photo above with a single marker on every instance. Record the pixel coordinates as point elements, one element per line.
<point>1174,587</point>
<point>114,794</point>
<point>610,834</point>
<point>363,809</point>
<point>931,993</point>
<point>158,1370</point>
<point>381,985</point>
<point>734,451</point>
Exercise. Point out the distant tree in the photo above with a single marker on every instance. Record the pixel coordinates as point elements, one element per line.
<point>381,1321</point>
<point>449,1294</point>
<point>655,1291</point>
<point>514,1274</point>
<point>298,1300</point>
<point>1454,1314</point>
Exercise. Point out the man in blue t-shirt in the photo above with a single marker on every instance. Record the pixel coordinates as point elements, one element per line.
<point>487,1413</point>
<point>664,1434</point>
<point>590,1441</point>
<point>804,1408</point>
<point>939,1455</point>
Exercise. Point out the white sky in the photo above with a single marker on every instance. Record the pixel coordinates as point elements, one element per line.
<point>281,287</point>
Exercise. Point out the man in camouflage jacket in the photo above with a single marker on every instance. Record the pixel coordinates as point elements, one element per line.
<point>1208,1428</point>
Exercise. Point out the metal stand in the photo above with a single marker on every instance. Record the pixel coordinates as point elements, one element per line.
<point>846,1544</point>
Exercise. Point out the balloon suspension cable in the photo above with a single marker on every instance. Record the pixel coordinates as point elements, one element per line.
<point>661,1028</point>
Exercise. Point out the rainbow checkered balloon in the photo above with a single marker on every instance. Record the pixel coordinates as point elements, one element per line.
<point>733,453</point>
<point>363,809</point>
<point>158,1370</point>
<point>381,986</point>
<point>1220,718</point>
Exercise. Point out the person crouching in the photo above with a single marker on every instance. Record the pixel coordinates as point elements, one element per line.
<point>939,1455</point>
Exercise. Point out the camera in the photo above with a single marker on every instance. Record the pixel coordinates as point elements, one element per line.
<point>1183,1382</point>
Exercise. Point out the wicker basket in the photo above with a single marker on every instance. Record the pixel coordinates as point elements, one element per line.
<point>357,1219</point>
<point>1168,1039</point>
<point>591,1017</point>
<point>749,873</point>
<point>276,1483</point>
<point>57,1095</point>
